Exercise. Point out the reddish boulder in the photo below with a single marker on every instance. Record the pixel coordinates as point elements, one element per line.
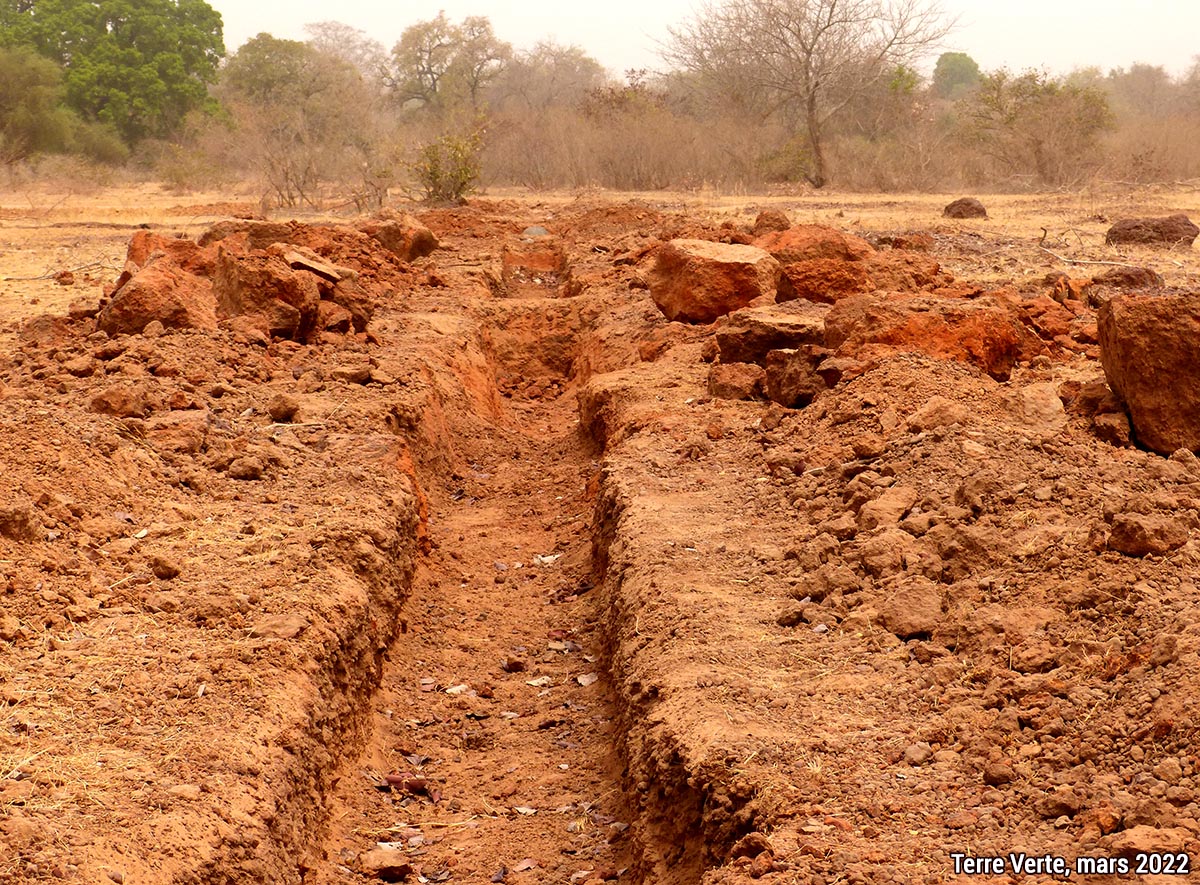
<point>1150,349</point>
<point>402,235</point>
<point>187,254</point>
<point>823,280</point>
<point>985,331</point>
<point>696,281</point>
<point>164,292</point>
<point>900,271</point>
<point>966,207</point>
<point>746,336</point>
<point>1174,230</point>
<point>805,242</point>
<point>284,301</point>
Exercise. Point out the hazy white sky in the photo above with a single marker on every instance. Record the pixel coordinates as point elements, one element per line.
<point>1055,34</point>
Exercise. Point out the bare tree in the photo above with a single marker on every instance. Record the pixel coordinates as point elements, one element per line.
<point>806,60</point>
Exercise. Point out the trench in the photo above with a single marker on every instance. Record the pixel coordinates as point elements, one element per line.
<point>495,752</point>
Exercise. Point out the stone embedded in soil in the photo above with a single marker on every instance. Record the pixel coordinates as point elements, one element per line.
<point>10,628</point>
<point>806,242</point>
<point>386,864</point>
<point>888,509</point>
<point>1114,429</point>
<point>965,207</point>
<point>1039,409</point>
<point>697,281</point>
<point>164,569</point>
<point>360,374</point>
<point>791,376</point>
<point>282,408</point>
<point>1142,534</point>
<point>737,381</point>
<point>163,292</point>
<point>1173,230</point>
<point>20,522</point>
<point>938,411</point>
<point>1150,349</point>
<point>246,468</point>
<point>914,608</point>
<point>746,336</point>
<point>125,400</point>
<point>280,626</point>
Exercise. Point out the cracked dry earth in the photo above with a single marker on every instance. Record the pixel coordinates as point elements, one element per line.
<point>498,585</point>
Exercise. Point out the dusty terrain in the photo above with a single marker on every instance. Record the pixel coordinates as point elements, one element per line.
<point>512,592</point>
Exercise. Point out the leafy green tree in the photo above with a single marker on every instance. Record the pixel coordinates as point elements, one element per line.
<point>1032,123</point>
<point>954,75</point>
<point>139,65</point>
<point>32,117</point>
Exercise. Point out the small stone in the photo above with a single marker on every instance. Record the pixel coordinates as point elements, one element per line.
<point>154,329</point>
<point>1169,770</point>
<point>247,468</point>
<point>283,408</point>
<point>385,864</point>
<point>997,774</point>
<point>10,628</point>
<point>918,754</point>
<point>282,626</point>
<point>164,569</point>
<point>20,523</point>
<point>351,374</point>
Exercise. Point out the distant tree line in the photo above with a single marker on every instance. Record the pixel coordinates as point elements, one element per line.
<point>753,94</point>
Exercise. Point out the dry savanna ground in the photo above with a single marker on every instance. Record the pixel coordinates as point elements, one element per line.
<point>332,554</point>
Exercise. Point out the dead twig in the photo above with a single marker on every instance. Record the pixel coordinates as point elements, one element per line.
<point>1084,260</point>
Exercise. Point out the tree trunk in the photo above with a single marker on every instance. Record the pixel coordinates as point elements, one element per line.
<point>817,175</point>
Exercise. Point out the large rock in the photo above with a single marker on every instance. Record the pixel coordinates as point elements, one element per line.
<point>824,280</point>
<point>283,302</point>
<point>746,336</point>
<point>898,270</point>
<point>1150,349</point>
<point>1173,230</point>
<point>402,235</point>
<point>696,281</point>
<point>804,242</point>
<point>985,331</point>
<point>161,291</point>
<point>188,254</point>
<point>965,207</point>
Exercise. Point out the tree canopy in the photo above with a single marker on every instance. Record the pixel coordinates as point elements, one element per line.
<point>805,60</point>
<point>139,65</point>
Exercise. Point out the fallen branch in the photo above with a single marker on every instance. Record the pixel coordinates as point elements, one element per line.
<point>1084,260</point>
